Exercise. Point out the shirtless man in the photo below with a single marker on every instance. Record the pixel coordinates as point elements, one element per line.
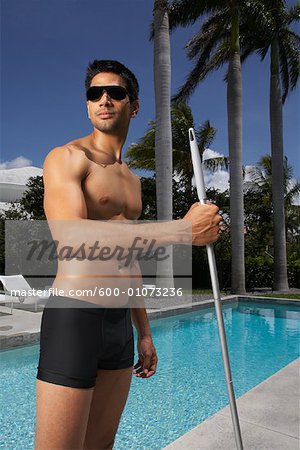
<point>84,375</point>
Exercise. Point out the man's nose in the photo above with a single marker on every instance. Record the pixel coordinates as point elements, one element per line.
<point>105,98</point>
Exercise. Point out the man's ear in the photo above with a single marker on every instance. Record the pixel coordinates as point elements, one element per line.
<point>135,106</point>
<point>88,111</point>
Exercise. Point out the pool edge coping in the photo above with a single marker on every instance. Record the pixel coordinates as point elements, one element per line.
<point>166,312</point>
<point>32,337</point>
<point>191,436</point>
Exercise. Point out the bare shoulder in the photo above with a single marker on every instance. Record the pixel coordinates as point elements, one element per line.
<point>137,181</point>
<point>136,178</point>
<point>69,158</point>
<point>66,151</point>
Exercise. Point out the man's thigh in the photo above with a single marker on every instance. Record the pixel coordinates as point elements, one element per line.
<point>61,416</point>
<point>109,398</point>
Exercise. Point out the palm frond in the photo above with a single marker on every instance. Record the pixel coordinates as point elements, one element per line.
<point>205,135</point>
<point>292,192</point>
<point>182,113</point>
<point>256,176</point>
<point>141,155</point>
<point>284,72</point>
<point>293,14</point>
<point>255,18</point>
<point>264,50</point>
<point>190,84</point>
<point>295,37</point>
<point>221,15</point>
<point>291,49</point>
<point>220,57</point>
<point>204,43</point>
<point>217,163</point>
<point>265,164</point>
<point>186,12</point>
<point>211,31</point>
<point>246,51</point>
<point>203,46</point>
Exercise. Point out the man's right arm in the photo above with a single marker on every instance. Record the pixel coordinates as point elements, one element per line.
<point>66,212</point>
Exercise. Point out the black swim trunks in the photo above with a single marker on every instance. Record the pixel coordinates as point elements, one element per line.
<point>77,339</point>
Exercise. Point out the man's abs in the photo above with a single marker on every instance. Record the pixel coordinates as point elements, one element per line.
<point>106,284</point>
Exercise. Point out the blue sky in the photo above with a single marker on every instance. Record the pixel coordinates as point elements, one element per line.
<point>46,46</point>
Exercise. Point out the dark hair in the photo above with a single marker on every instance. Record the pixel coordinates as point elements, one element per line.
<point>105,65</point>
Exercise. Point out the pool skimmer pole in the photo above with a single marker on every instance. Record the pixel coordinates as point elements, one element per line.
<point>199,180</point>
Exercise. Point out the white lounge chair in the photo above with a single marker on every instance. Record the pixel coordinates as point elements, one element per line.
<point>12,283</point>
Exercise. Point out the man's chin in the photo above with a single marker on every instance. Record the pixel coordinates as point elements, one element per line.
<point>105,127</point>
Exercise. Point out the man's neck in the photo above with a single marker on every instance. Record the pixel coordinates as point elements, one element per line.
<point>109,143</point>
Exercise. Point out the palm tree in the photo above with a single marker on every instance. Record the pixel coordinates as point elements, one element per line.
<point>283,45</point>
<point>261,182</point>
<point>163,135</point>
<point>272,21</point>
<point>142,154</point>
<point>216,43</point>
<point>261,177</point>
<point>182,120</point>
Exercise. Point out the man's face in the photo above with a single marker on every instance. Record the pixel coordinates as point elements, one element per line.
<point>109,115</point>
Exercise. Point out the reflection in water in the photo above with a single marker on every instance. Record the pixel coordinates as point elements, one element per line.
<point>269,310</point>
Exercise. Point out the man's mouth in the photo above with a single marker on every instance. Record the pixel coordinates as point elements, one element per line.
<point>105,114</point>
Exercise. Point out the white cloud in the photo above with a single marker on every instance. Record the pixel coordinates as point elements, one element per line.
<point>292,183</point>
<point>249,170</point>
<point>16,163</point>
<point>218,179</point>
<point>209,153</point>
<point>296,200</point>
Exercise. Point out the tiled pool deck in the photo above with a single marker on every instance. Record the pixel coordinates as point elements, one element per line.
<point>268,413</point>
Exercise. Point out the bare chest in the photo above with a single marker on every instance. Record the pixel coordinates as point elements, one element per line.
<point>112,192</point>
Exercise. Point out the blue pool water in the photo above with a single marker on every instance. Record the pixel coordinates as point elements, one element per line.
<point>189,385</point>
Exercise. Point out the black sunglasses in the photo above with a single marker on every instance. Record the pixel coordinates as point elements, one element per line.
<point>115,92</point>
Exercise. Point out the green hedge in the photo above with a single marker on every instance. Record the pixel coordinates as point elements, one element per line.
<point>294,273</point>
<point>259,271</point>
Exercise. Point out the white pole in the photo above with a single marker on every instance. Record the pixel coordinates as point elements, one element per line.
<point>197,166</point>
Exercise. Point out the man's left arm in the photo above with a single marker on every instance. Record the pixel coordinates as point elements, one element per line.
<point>147,357</point>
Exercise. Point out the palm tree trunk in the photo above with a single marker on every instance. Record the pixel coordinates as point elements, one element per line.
<point>163,134</point>
<point>234,114</point>
<point>280,260</point>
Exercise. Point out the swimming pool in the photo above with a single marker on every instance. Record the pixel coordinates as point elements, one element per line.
<point>189,385</point>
